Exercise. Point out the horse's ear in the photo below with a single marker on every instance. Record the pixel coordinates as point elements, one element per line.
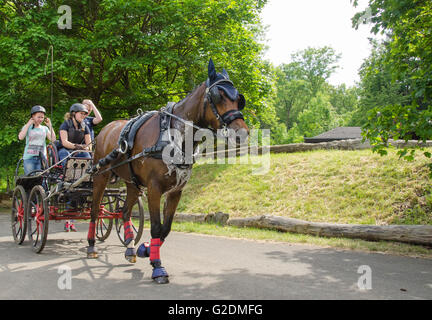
<point>225,73</point>
<point>211,70</point>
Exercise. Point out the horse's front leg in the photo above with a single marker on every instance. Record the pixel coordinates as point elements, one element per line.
<point>131,199</point>
<point>146,249</point>
<point>153,249</point>
<point>170,208</point>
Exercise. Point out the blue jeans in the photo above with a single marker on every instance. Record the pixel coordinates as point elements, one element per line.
<point>63,153</point>
<point>34,163</point>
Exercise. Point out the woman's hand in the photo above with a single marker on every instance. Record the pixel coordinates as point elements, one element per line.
<point>91,107</point>
<point>89,104</point>
<point>80,147</point>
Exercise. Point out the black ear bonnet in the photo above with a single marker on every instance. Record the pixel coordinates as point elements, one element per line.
<point>221,81</point>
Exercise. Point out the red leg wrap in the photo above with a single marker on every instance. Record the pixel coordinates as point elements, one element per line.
<point>92,231</point>
<point>154,249</point>
<point>128,231</point>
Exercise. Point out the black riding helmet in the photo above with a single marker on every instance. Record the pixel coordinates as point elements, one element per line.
<point>35,109</point>
<point>78,107</point>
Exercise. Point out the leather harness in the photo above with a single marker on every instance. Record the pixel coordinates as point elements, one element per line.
<point>128,133</point>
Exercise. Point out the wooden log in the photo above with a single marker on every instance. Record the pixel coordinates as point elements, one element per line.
<point>418,234</point>
<point>218,217</point>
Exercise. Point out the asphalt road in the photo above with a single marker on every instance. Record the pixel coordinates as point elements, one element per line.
<point>204,267</point>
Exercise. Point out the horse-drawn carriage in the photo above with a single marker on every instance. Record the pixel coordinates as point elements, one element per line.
<point>134,151</point>
<point>59,192</point>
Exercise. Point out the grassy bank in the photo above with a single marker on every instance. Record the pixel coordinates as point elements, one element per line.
<point>327,186</point>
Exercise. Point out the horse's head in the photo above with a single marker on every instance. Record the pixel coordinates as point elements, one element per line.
<point>225,104</point>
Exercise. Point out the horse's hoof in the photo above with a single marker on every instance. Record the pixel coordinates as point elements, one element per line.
<point>92,255</point>
<point>161,280</point>
<point>131,259</point>
<point>159,273</point>
<point>130,255</point>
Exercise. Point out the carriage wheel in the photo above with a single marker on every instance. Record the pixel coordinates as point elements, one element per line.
<point>19,214</point>
<point>137,221</point>
<point>104,226</point>
<point>38,218</point>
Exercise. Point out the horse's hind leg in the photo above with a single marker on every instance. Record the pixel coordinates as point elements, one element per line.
<point>131,199</point>
<point>99,185</point>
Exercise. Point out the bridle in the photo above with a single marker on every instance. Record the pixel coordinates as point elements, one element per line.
<point>212,98</point>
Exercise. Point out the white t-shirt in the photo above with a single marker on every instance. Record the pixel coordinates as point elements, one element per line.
<point>35,142</point>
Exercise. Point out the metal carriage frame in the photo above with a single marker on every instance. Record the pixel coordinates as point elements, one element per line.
<point>64,193</point>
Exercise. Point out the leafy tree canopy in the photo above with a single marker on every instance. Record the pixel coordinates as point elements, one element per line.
<point>407,61</point>
<point>305,102</point>
<point>125,55</point>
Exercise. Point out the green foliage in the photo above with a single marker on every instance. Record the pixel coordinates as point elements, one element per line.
<point>318,117</point>
<point>376,87</point>
<point>398,122</point>
<point>305,102</point>
<point>280,134</point>
<point>125,55</point>
<point>406,60</point>
<point>315,65</point>
<point>345,102</point>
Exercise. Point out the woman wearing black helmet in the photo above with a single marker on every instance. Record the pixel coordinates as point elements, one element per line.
<point>35,134</point>
<point>74,134</point>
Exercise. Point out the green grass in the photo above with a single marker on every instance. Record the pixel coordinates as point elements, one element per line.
<point>322,186</point>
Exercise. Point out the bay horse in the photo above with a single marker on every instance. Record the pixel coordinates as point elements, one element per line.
<point>214,104</point>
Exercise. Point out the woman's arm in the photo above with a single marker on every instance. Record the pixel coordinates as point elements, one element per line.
<point>64,140</point>
<point>90,105</point>
<point>98,116</point>
<point>87,139</point>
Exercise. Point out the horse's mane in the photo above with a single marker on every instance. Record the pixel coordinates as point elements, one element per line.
<point>189,94</point>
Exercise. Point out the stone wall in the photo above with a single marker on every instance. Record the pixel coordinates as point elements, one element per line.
<point>352,144</point>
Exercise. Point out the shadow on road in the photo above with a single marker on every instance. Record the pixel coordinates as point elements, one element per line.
<point>220,268</point>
